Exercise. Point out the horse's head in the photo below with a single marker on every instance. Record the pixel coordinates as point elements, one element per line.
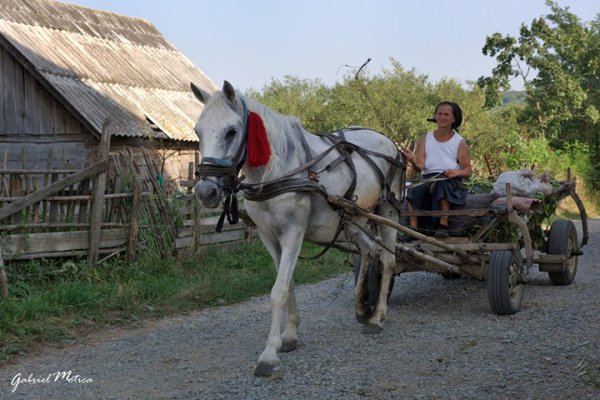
<point>220,130</point>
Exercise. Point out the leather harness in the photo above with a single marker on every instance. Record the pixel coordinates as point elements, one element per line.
<point>261,191</point>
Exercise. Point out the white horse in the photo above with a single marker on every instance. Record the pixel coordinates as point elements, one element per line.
<point>285,218</point>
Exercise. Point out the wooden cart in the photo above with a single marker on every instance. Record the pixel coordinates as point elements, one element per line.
<point>476,253</point>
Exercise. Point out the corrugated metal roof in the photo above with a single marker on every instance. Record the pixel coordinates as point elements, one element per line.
<point>107,65</point>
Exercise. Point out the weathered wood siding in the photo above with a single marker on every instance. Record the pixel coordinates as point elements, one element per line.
<point>38,132</point>
<point>34,125</point>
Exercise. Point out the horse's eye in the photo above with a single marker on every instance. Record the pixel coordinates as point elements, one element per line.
<point>230,134</point>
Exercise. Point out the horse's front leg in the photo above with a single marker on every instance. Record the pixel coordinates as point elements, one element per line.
<point>290,244</point>
<point>292,321</point>
<point>290,334</point>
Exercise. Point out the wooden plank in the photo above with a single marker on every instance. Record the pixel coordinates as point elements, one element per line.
<point>8,93</point>
<point>60,226</point>
<point>72,125</point>
<point>32,118</point>
<point>84,187</point>
<point>59,117</point>
<point>439,213</point>
<point>48,242</point>
<point>53,205</point>
<point>229,236</point>
<point>73,197</point>
<point>3,279</point>
<point>98,197</point>
<point>184,242</point>
<point>64,254</point>
<point>24,171</point>
<point>210,238</point>
<point>184,232</point>
<point>56,187</point>
<point>46,115</point>
<point>19,100</point>
<point>135,219</point>
<point>208,224</point>
<point>3,54</point>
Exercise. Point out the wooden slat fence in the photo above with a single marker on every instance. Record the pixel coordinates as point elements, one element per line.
<point>96,212</point>
<point>58,212</point>
<point>199,224</point>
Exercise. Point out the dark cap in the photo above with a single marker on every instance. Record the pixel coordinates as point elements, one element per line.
<point>455,110</point>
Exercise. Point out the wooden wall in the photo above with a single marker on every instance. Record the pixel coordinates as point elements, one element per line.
<point>38,132</point>
<point>32,122</point>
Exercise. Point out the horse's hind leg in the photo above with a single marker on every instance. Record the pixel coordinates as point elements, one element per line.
<point>367,251</point>
<point>387,260</point>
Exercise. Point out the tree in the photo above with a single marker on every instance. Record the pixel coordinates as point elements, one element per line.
<point>558,59</point>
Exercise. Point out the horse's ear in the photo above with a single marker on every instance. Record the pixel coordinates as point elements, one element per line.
<point>200,94</point>
<point>229,91</point>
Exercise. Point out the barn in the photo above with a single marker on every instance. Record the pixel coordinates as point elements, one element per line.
<point>65,68</point>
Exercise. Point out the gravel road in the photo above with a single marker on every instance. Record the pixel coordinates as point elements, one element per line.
<point>440,341</point>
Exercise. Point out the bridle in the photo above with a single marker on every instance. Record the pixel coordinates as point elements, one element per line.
<point>229,170</point>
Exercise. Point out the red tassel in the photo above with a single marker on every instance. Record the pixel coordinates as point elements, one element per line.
<point>259,150</point>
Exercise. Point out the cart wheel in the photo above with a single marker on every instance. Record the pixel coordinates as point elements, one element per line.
<point>562,240</point>
<point>504,287</point>
<point>356,270</point>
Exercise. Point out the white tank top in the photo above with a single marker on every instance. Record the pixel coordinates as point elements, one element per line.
<point>441,156</point>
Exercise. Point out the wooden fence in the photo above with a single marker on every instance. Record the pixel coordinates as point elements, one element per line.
<point>199,224</point>
<point>66,213</point>
<point>70,213</point>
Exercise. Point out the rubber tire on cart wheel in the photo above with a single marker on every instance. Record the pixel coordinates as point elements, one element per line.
<point>356,270</point>
<point>562,240</point>
<point>504,286</point>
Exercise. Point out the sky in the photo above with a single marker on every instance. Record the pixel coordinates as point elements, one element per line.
<point>250,43</point>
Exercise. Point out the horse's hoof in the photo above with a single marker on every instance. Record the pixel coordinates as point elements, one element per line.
<point>288,345</point>
<point>372,329</point>
<point>266,370</point>
<point>362,319</point>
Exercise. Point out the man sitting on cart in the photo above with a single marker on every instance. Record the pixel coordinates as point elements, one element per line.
<point>442,157</point>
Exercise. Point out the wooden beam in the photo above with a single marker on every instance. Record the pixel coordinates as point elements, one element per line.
<point>98,197</point>
<point>51,242</point>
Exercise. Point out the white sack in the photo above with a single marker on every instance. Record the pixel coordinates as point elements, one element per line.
<point>522,183</point>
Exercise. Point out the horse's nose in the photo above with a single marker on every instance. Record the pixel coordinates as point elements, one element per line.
<point>208,193</point>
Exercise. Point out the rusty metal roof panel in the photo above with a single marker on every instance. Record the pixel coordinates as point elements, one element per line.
<point>107,65</point>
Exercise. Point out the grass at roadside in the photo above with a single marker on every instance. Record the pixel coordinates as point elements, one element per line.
<point>59,301</point>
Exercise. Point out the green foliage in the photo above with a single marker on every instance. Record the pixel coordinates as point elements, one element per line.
<point>558,58</point>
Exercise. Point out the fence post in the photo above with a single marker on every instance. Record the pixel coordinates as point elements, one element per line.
<point>3,279</point>
<point>98,198</point>
<point>135,219</point>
